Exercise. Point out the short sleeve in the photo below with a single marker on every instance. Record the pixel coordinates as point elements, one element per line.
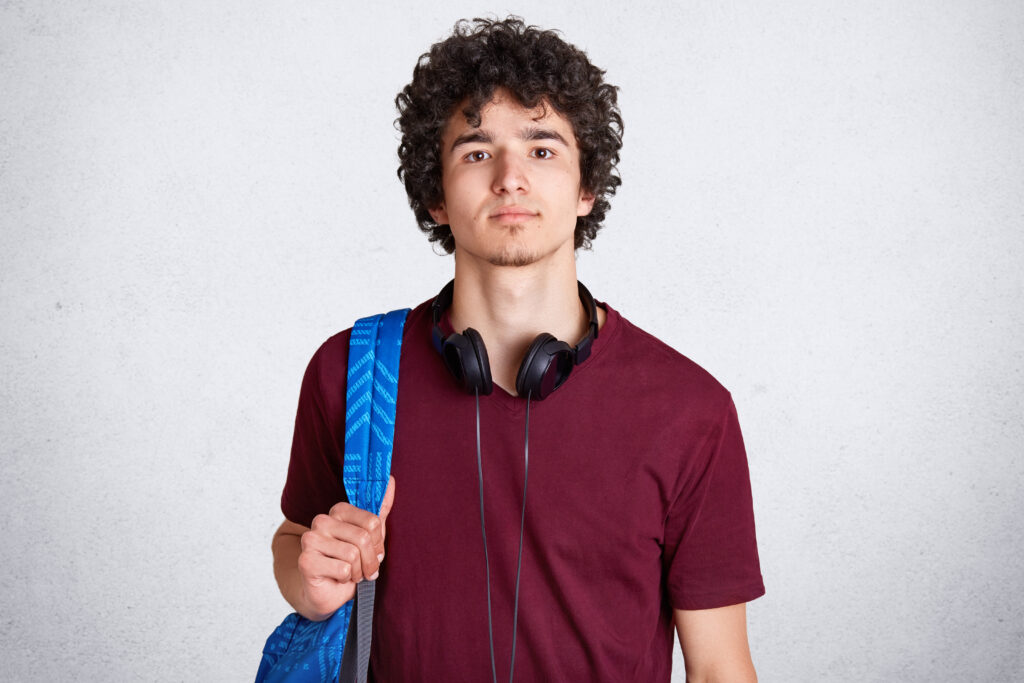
<point>314,482</point>
<point>710,544</point>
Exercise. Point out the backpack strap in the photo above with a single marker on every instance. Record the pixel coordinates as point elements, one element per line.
<point>371,403</point>
<point>362,356</point>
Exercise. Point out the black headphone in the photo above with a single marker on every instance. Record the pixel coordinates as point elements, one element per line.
<point>545,367</point>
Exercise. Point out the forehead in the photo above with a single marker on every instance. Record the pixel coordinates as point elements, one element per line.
<point>505,111</point>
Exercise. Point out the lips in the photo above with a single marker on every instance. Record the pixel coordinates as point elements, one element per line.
<point>509,213</point>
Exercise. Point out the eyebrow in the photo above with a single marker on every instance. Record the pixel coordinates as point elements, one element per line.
<point>527,134</point>
<point>473,136</point>
<point>535,133</point>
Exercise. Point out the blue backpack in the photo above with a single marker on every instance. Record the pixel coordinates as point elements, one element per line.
<point>304,651</point>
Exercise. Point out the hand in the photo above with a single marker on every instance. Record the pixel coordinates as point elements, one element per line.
<point>341,549</point>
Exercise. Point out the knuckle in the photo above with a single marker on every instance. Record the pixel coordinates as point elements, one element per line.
<point>338,510</point>
<point>319,521</point>
<point>363,537</point>
<point>373,525</point>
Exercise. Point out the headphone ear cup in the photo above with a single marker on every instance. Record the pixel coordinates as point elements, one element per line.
<point>457,353</point>
<point>477,366</point>
<point>546,365</point>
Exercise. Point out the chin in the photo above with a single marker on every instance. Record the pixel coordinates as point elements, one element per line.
<point>514,258</point>
<point>513,250</point>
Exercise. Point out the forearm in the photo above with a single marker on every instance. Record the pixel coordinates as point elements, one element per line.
<point>286,547</point>
<point>714,642</point>
<point>742,673</point>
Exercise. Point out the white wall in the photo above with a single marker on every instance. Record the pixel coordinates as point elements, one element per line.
<point>822,205</point>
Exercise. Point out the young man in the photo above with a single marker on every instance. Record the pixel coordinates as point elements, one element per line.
<point>556,508</point>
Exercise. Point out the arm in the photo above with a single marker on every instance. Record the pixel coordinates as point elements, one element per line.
<point>714,643</point>
<point>317,568</point>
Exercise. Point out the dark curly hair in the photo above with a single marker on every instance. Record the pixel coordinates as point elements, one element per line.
<point>538,68</point>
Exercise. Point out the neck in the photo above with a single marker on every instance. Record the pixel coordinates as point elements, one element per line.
<point>510,306</point>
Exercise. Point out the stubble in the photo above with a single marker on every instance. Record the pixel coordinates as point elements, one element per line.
<point>514,253</point>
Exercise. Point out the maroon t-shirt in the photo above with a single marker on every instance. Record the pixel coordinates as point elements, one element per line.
<point>638,502</point>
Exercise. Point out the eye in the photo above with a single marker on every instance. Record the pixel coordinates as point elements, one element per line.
<point>543,153</point>
<point>476,156</point>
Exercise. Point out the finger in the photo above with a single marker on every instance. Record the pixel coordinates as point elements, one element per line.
<point>326,596</point>
<point>327,582</point>
<point>385,508</point>
<point>347,542</point>
<point>345,512</point>
<point>389,500</point>
<point>319,569</point>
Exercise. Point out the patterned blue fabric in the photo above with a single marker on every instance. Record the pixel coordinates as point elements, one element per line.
<point>382,420</point>
<point>362,357</point>
<point>304,651</point>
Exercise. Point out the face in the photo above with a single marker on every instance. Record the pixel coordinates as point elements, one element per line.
<point>512,185</point>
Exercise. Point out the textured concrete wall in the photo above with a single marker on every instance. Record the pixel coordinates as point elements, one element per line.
<point>823,204</point>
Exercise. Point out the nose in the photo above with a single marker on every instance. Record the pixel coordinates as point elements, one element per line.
<point>510,175</point>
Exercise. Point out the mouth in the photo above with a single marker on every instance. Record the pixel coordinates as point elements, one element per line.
<point>512,214</point>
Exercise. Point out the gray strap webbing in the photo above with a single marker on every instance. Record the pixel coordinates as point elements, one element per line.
<point>355,663</point>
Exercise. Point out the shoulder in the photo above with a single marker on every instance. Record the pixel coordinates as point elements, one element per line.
<point>331,357</point>
<point>329,363</point>
<point>663,371</point>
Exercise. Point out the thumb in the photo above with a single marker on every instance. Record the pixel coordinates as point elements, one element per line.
<point>389,500</point>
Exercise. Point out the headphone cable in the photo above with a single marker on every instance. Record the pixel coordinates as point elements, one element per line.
<point>483,532</point>
<point>522,528</point>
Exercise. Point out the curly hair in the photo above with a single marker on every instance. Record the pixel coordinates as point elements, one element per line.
<point>538,68</point>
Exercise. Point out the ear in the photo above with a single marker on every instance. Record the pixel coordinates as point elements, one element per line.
<point>585,203</point>
<point>440,214</point>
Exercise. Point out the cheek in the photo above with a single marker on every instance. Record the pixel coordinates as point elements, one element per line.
<point>463,194</point>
